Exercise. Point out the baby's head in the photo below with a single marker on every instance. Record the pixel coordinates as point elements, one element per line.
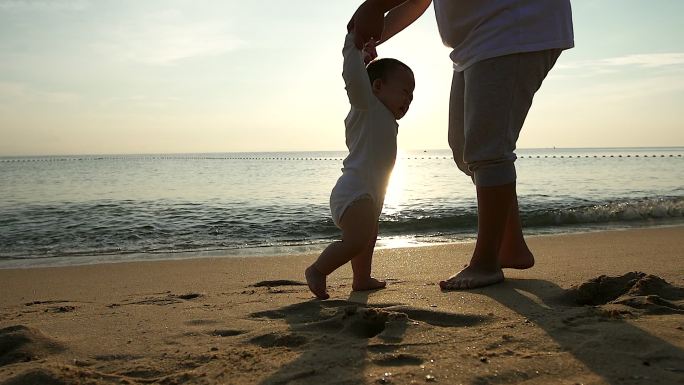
<point>393,83</point>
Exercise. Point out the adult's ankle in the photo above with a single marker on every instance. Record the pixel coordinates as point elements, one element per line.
<point>485,262</point>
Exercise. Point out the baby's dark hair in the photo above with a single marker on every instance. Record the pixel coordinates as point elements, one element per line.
<point>381,68</point>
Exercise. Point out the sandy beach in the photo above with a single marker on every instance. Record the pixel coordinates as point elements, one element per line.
<point>598,308</point>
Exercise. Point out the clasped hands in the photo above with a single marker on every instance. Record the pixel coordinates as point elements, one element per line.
<point>367,24</point>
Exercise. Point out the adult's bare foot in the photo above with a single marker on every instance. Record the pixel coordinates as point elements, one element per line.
<point>368,284</point>
<point>471,278</point>
<point>316,281</point>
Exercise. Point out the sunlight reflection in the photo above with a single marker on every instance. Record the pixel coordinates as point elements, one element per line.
<point>398,242</point>
<point>395,188</point>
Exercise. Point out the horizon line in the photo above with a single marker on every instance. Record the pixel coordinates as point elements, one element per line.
<point>311,151</point>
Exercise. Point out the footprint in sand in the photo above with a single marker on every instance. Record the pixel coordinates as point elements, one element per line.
<point>212,332</point>
<point>21,344</point>
<point>394,359</point>
<point>377,332</point>
<point>200,322</point>
<point>117,357</point>
<point>388,321</point>
<point>35,376</point>
<point>437,318</point>
<point>226,332</point>
<point>168,299</point>
<point>271,340</point>
<point>60,309</point>
<point>65,307</point>
<point>142,372</point>
<point>32,303</point>
<point>279,286</point>
<point>279,282</point>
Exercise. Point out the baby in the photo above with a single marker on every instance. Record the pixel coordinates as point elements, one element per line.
<point>379,94</point>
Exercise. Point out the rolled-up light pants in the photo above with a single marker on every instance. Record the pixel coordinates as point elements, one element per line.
<point>487,108</point>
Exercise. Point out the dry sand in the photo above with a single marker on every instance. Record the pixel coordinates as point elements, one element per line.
<point>252,321</point>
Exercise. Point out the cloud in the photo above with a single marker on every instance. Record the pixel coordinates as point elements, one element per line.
<point>644,77</point>
<point>165,38</point>
<point>646,89</point>
<point>646,60</point>
<point>652,60</point>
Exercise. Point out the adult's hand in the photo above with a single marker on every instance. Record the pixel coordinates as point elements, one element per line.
<point>367,23</point>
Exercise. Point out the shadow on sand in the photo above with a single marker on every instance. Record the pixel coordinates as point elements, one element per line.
<point>337,338</point>
<point>601,334</point>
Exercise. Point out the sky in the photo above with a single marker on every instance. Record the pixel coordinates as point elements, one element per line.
<point>170,76</point>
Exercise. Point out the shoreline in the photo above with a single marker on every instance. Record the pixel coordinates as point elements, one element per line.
<point>253,320</point>
<point>390,242</point>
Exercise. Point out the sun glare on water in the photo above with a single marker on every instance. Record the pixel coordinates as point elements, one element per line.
<point>395,189</point>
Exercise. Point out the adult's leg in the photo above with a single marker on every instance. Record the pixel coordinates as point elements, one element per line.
<point>457,121</point>
<point>484,268</point>
<point>513,251</point>
<point>481,270</point>
<point>497,94</point>
<point>358,224</point>
<point>534,66</point>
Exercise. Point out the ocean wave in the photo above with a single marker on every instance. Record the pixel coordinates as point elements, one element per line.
<point>453,221</point>
<point>615,211</point>
<point>127,227</point>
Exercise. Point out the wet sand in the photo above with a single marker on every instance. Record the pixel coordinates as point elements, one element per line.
<point>598,308</point>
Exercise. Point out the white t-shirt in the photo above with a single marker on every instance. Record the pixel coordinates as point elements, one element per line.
<point>371,137</point>
<point>482,29</point>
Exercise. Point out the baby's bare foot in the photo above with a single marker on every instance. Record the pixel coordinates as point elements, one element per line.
<point>471,277</point>
<point>316,282</point>
<point>368,284</point>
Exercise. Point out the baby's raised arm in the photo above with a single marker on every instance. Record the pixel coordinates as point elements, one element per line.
<point>355,76</point>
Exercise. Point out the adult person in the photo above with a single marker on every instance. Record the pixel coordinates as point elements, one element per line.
<point>502,51</point>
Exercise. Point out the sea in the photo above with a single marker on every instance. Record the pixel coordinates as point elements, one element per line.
<point>85,209</point>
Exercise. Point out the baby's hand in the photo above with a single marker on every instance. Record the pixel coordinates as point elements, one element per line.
<point>369,51</point>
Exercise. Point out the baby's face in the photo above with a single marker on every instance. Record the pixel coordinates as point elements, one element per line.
<point>396,92</point>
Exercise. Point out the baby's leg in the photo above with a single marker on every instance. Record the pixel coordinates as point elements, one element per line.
<point>361,265</point>
<point>357,225</point>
